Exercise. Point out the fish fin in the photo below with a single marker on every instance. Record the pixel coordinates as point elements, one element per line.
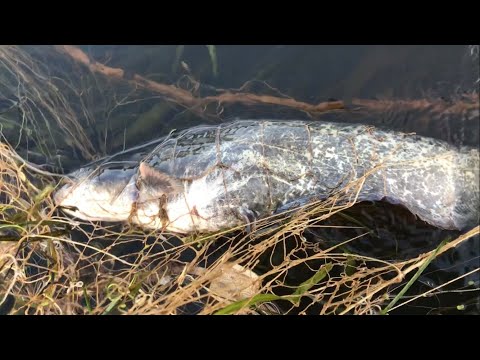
<point>250,218</point>
<point>158,180</point>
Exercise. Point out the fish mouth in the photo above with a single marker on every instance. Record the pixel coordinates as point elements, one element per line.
<point>60,195</point>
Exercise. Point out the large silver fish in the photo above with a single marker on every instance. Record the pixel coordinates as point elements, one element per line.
<point>211,178</point>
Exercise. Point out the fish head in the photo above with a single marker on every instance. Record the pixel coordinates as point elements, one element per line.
<point>98,194</point>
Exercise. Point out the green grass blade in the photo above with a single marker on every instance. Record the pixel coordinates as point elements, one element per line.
<point>413,279</point>
<point>212,51</point>
<point>178,55</point>
<point>112,305</point>
<point>350,266</point>
<point>87,300</point>
<point>13,226</point>
<point>306,285</point>
<point>238,305</point>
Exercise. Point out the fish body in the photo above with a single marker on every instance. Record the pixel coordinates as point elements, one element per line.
<point>210,178</point>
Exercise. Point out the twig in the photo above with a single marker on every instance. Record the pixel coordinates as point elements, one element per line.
<point>185,98</point>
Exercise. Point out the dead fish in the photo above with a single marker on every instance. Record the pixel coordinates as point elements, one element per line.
<point>211,178</point>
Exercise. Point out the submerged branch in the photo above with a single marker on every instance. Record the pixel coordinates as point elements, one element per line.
<point>468,102</point>
<point>185,98</point>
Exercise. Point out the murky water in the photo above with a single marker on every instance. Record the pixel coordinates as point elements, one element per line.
<point>430,90</point>
<point>319,73</point>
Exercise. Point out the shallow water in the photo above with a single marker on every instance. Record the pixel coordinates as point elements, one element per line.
<point>412,88</point>
<point>318,73</point>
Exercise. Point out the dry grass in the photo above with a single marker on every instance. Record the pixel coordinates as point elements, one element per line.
<point>50,264</point>
<point>54,265</point>
<point>43,101</point>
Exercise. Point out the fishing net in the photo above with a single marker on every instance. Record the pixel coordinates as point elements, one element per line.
<point>288,264</point>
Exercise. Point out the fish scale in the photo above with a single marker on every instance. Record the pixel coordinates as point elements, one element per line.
<point>248,169</point>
